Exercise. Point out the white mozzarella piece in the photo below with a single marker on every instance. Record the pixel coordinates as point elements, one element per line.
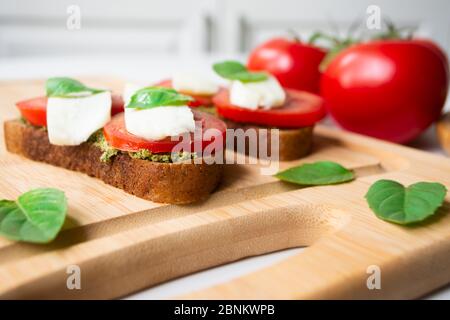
<point>71,121</point>
<point>251,95</point>
<point>194,83</point>
<point>158,123</point>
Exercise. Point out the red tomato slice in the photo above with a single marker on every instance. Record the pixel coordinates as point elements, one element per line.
<point>301,109</point>
<point>35,110</point>
<point>199,100</point>
<point>119,138</point>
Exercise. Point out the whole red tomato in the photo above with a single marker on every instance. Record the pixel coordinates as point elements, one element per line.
<point>389,89</point>
<point>293,63</point>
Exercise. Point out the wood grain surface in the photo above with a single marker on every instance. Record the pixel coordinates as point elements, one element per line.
<point>123,243</point>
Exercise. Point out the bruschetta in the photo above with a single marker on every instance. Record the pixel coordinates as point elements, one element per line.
<point>256,100</point>
<point>154,149</point>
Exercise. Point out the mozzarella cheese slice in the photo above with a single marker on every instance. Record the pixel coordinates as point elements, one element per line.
<point>72,120</point>
<point>194,83</point>
<point>158,123</point>
<point>251,95</point>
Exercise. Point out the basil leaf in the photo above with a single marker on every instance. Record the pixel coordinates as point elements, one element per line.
<point>234,70</point>
<point>392,202</point>
<point>227,68</point>
<point>153,97</point>
<point>246,76</point>
<point>317,173</point>
<point>63,87</point>
<point>37,216</point>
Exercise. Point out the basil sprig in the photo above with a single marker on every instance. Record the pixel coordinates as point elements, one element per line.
<point>152,97</point>
<point>36,216</point>
<point>64,87</point>
<point>234,70</point>
<point>317,173</point>
<point>391,201</point>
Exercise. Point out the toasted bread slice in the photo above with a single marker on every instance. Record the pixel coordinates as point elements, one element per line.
<point>293,143</point>
<point>175,183</point>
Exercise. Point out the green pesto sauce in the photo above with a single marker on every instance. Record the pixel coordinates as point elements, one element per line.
<point>98,139</point>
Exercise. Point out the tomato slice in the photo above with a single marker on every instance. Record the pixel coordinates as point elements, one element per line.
<point>35,110</point>
<point>301,109</point>
<point>199,100</point>
<point>118,137</point>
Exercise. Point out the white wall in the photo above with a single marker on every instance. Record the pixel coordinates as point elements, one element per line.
<point>38,27</point>
<point>253,21</point>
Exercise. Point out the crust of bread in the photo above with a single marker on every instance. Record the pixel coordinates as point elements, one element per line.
<point>293,143</point>
<point>175,183</point>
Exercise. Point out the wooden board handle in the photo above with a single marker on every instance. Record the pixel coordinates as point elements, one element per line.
<point>164,250</point>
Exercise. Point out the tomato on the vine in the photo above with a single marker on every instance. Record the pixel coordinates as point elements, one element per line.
<point>389,89</point>
<point>295,64</point>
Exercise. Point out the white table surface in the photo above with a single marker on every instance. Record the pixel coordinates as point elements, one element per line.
<point>143,68</point>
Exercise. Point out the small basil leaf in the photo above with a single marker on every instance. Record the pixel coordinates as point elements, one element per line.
<point>228,68</point>
<point>64,87</point>
<point>153,97</point>
<point>37,216</point>
<point>317,173</point>
<point>249,76</point>
<point>234,70</point>
<point>392,202</point>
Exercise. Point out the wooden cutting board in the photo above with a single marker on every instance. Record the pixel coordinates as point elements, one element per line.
<point>123,244</point>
